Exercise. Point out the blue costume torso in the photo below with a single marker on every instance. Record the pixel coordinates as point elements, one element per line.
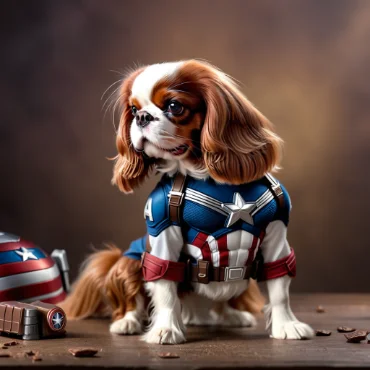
<point>213,210</point>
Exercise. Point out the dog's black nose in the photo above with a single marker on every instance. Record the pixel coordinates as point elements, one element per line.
<point>143,118</point>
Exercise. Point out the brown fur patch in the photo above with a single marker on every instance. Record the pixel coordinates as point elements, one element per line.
<point>108,285</point>
<point>130,168</point>
<point>170,88</point>
<point>135,102</point>
<point>160,96</point>
<point>87,296</point>
<point>123,283</point>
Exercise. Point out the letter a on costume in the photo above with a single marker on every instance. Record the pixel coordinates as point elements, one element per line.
<point>148,209</point>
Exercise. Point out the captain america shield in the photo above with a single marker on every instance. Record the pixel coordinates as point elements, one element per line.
<point>56,319</point>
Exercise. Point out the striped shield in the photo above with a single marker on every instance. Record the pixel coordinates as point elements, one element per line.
<point>27,273</point>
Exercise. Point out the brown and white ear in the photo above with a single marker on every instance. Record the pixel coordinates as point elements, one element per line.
<point>130,168</point>
<point>238,142</point>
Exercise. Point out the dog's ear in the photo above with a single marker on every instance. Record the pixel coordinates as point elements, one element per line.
<point>238,142</point>
<point>130,168</point>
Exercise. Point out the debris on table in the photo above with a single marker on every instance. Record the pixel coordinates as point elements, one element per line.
<point>4,354</point>
<point>345,329</point>
<point>168,355</point>
<point>10,344</point>
<point>356,336</point>
<point>323,333</point>
<point>36,357</point>
<point>83,351</point>
<point>20,355</point>
<point>320,309</point>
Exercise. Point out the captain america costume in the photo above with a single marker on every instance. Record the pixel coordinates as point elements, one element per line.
<point>221,224</point>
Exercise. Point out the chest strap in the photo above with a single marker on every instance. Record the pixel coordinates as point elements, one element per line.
<point>276,190</point>
<point>176,197</point>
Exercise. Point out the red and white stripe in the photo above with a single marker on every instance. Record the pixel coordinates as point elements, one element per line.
<point>235,249</point>
<point>44,285</point>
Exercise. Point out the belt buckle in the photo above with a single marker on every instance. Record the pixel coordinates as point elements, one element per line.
<point>234,273</point>
<point>203,272</point>
<point>277,190</point>
<point>176,198</point>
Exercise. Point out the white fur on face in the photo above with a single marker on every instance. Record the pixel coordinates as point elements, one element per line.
<point>143,86</point>
<point>160,133</point>
<point>158,137</point>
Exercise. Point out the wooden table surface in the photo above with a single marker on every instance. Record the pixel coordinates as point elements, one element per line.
<point>215,348</point>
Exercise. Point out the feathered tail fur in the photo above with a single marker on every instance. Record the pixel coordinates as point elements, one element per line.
<point>107,285</point>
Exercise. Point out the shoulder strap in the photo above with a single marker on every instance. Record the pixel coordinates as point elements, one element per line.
<point>276,190</point>
<point>176,196</point>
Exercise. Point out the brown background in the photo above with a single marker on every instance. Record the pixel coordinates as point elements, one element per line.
<point>305,64</point>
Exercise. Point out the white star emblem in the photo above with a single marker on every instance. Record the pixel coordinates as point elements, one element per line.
<point>26,254</point>
<point>238,210</point>
<point>57,320</point>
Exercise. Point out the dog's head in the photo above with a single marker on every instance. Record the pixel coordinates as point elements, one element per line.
<point>190,116</point>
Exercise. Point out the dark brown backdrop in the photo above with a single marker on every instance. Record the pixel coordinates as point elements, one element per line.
<point>305,64</point>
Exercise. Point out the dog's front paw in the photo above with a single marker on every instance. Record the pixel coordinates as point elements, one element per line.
<point>164,336</point>
<point>129,324</point>
<point>291,330</point>
<point>282,324</point>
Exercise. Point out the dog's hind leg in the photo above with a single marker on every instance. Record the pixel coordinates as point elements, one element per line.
<point>223,314</point>
<point>124,290</point>
<point>131,322</point>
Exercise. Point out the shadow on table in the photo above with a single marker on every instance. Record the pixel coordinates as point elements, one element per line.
<point>218,334</point>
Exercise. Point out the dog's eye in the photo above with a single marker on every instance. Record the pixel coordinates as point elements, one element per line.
<point>134,110</point>
<point>175,108</point>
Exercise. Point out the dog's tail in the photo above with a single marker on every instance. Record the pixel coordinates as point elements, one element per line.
<point>88,292</point>
<point>251,300</point>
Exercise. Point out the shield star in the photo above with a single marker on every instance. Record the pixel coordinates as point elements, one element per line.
<point>239,210</point>
<point>26,254</point>
<point>58,320</point>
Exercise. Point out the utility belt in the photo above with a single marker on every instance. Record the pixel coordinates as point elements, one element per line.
<point>155,268</point>
<point>202,272</point>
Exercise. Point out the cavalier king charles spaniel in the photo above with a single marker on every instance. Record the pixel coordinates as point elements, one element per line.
<point>189,121</point>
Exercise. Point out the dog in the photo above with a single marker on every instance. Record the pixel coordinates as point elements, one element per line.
<point>216,219</point>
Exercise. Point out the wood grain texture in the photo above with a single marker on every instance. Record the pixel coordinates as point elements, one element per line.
<point>215,348</point>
